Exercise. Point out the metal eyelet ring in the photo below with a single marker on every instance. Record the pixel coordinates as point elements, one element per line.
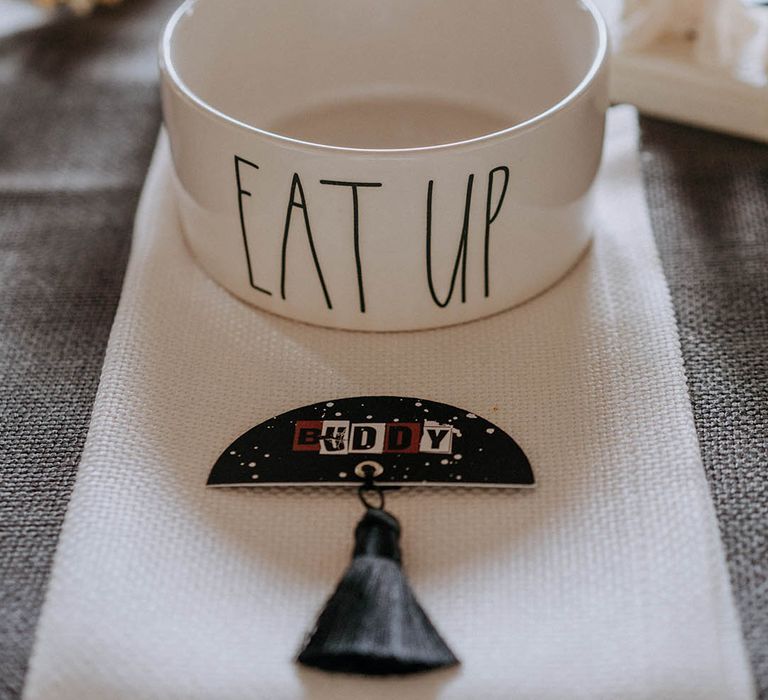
<point>369,470</point>
<point>363,470</point>
<point>372,497</point>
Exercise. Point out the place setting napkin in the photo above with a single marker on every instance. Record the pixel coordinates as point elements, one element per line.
<point>605,581</point>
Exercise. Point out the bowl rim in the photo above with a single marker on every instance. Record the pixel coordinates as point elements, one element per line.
<point>173,79</point>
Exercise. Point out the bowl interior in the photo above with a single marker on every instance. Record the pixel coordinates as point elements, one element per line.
<point>382,74</point>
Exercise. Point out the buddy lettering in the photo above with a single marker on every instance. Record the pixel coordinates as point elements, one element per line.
<point>329,437</point>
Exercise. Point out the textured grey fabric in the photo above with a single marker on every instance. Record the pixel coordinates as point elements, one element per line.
<point>78,119</point>
<point>78,116</point>
<point>708,197</point>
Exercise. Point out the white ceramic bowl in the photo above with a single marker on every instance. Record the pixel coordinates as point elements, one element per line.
<point>473,130</point>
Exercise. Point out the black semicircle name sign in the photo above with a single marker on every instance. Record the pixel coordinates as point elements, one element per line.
<point>414,441</point>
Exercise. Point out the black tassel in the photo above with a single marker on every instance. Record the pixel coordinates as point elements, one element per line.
<point>373,623</point>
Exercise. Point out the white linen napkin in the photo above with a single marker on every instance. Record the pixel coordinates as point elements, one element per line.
<point>606,581</point>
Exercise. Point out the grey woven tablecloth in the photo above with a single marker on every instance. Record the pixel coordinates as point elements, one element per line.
<point>78,116</point>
